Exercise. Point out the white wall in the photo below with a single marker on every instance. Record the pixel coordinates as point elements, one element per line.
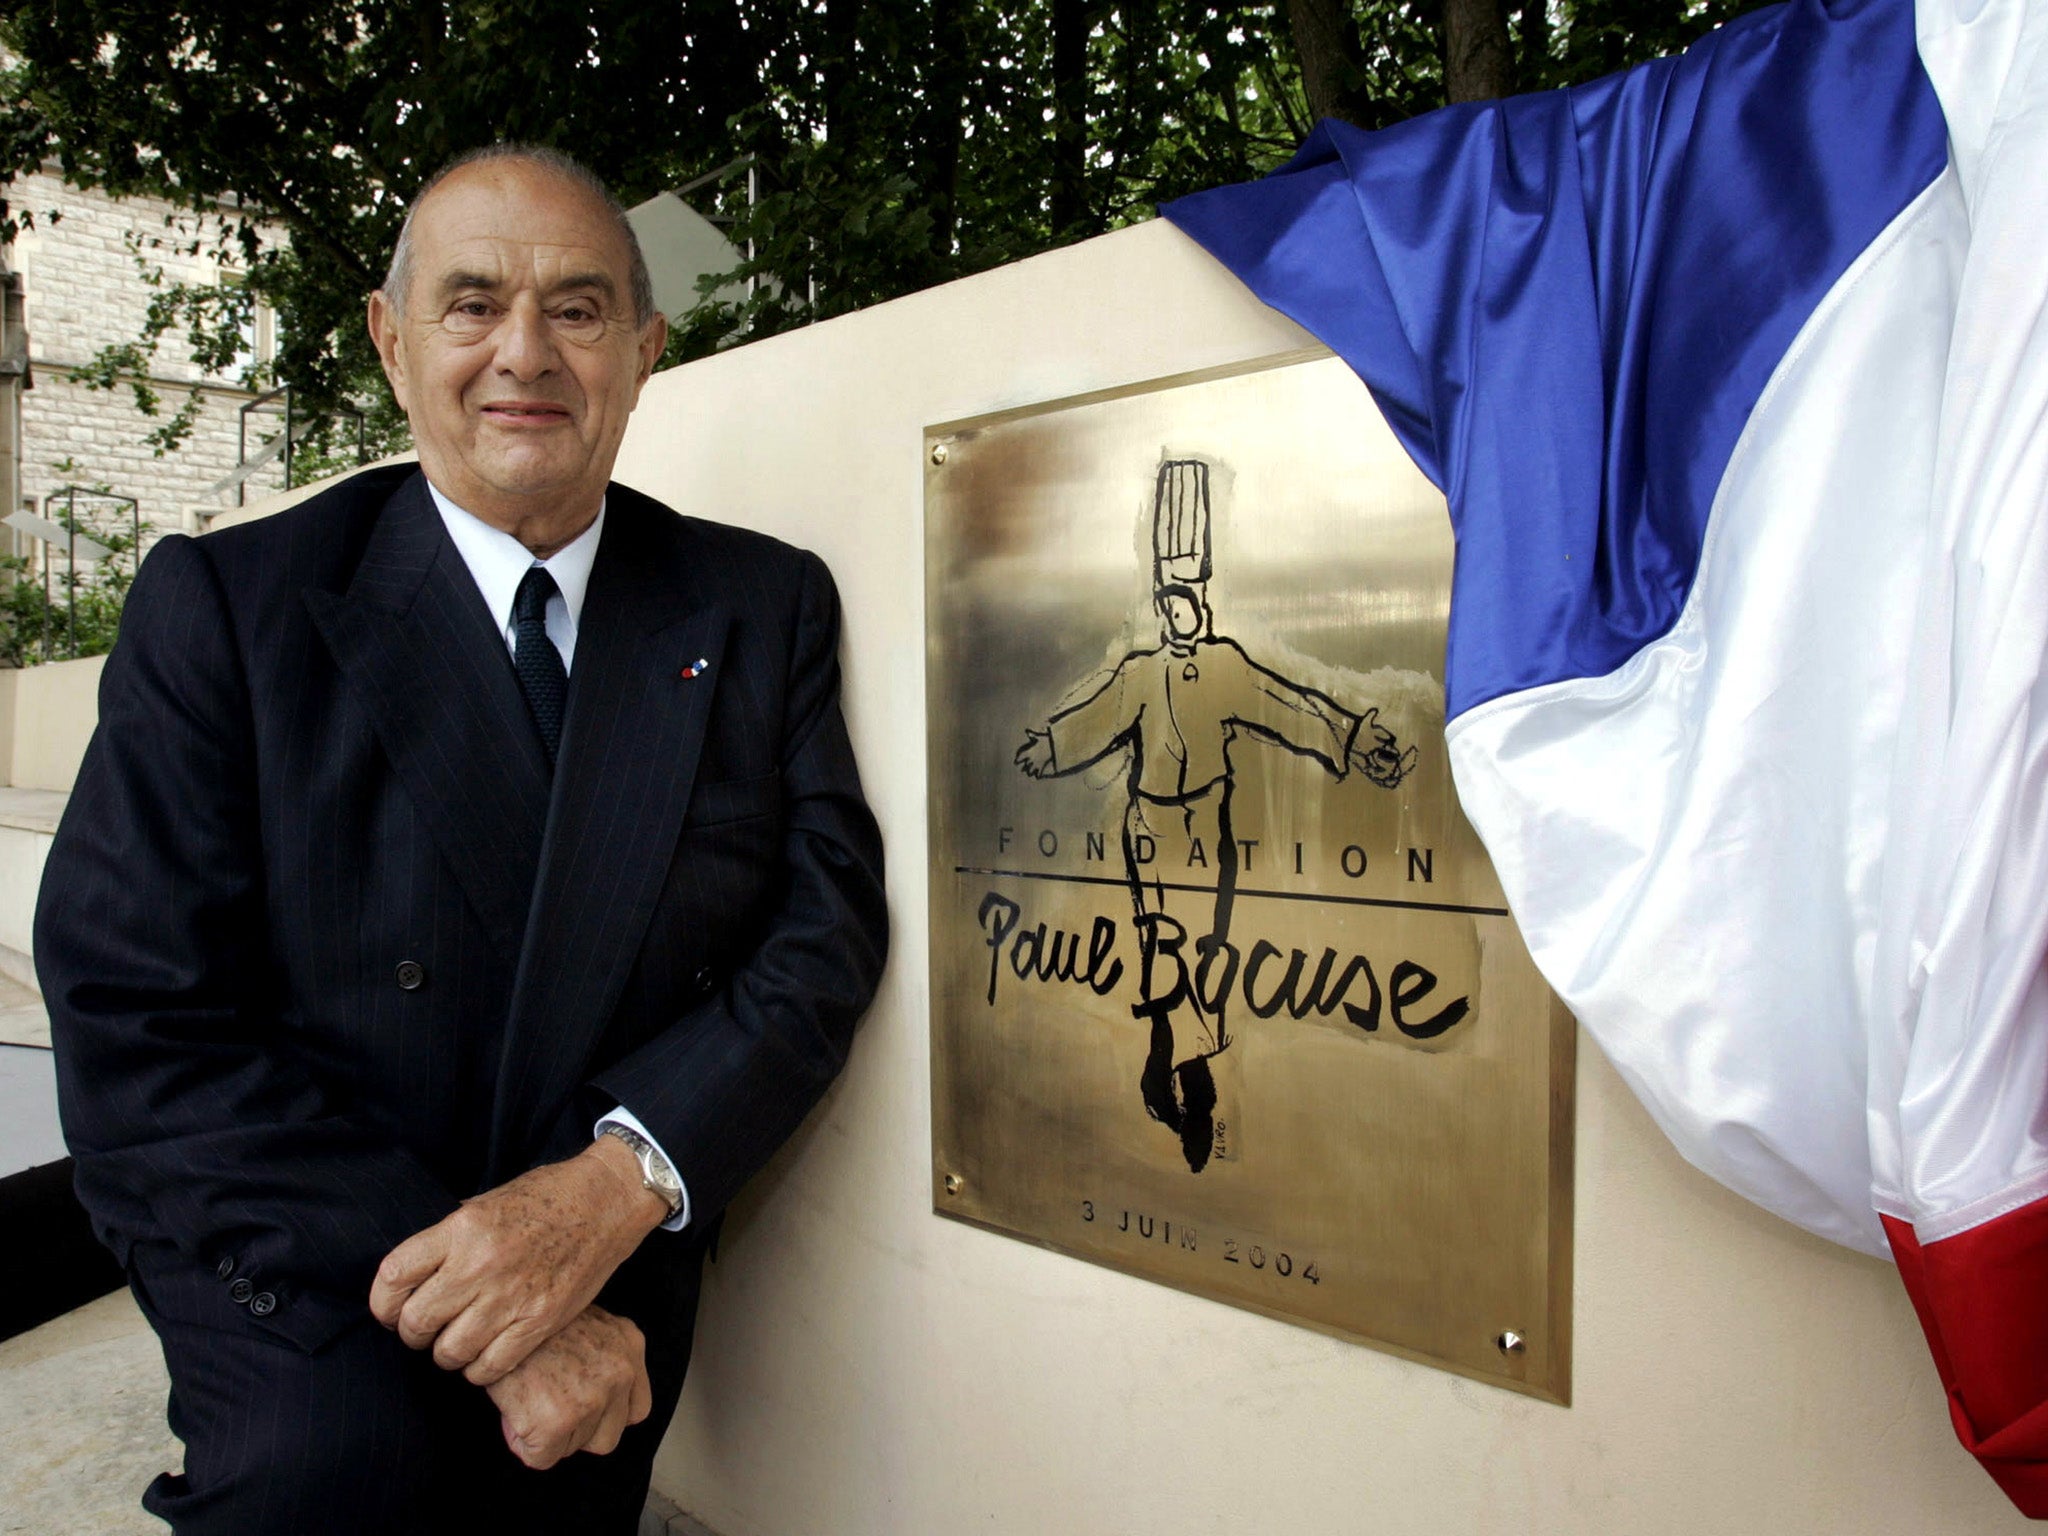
<point>865,1368</point>
<point>47,715</point>
<point>54,709</point>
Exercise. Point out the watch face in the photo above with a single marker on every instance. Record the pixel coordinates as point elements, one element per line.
<point>660,1176</point>
<point>655,1171</point>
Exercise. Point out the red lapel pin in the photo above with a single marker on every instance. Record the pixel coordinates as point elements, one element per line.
<point>697,668</point>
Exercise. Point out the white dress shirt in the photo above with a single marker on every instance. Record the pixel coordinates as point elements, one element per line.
<point>497,563</point>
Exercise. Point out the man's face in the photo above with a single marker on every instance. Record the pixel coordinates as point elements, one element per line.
<point>515,353</point>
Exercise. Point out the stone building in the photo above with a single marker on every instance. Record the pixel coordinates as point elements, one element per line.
<point>78,277</point>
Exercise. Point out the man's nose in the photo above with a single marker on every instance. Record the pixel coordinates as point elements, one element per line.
<point>526,344</point>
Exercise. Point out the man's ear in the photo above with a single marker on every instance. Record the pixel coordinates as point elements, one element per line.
<point>383,318</point>
<point>652,341</point>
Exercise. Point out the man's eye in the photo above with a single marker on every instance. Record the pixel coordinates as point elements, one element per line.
<point>577,314</point>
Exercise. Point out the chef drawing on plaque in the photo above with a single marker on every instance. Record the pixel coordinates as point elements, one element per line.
<point>1177,712</point>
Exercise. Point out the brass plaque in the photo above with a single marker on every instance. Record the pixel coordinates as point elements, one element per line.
<point>1224,990</point>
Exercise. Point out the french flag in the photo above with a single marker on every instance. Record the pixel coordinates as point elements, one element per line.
<point>1734,370</point>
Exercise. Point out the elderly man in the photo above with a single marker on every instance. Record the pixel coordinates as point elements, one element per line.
<point>468,887</point>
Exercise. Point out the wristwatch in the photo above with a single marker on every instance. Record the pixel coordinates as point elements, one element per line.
<point>655,1172</point>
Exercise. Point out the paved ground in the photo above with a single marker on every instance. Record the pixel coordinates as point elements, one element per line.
<point>82,1429</point>
<point>82,1424</point>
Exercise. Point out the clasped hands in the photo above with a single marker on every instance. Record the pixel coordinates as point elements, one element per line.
<point>504,1290</point>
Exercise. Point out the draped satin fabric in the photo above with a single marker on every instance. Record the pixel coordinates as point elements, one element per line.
<point>1567,304</point>
<point>1734,371</point>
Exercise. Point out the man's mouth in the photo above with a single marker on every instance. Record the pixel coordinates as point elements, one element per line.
<point>526,413</point>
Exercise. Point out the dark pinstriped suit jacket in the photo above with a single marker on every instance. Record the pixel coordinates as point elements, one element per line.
<point>314,764</point>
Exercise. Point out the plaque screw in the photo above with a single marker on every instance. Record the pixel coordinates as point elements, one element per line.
<point>953,1183</point>
<point>1510,1343</point>
<point>938,453</point>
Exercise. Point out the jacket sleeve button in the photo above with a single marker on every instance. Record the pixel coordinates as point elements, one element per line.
<point>411,975</point>
<point>704,981</point>
<point>262,1304</point>
<point>225,1268</point>
<point>240,1292</point>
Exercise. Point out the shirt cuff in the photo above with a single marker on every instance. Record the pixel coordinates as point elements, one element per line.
<point>626,1117</point>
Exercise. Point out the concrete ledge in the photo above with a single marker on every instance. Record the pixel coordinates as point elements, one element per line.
<point>33,810</point>
<point>28,824</point>
<point>23,1020</point>
<point>265,506</point>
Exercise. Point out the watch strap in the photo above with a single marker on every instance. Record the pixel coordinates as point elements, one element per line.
<point>650,1158</point>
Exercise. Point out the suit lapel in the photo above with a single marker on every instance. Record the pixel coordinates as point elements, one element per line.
<point>419,650</point>
<point>649,647</point>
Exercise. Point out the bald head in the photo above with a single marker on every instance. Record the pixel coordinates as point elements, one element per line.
<point>512,334</point>
<point>398,278</point>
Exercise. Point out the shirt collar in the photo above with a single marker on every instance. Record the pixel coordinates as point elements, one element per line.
<point>497,561</point>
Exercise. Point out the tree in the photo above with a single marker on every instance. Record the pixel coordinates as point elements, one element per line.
<point>1398,74</point>
<point>901,145</point>
<point>1479,63</point>
<point>323,116</point>
<point>893,143</point>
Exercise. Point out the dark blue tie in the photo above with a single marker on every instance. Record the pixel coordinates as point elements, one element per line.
<point>542,677</point>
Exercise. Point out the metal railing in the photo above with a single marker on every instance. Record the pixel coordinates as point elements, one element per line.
<point>285,443</point>
<point>64,534</point>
